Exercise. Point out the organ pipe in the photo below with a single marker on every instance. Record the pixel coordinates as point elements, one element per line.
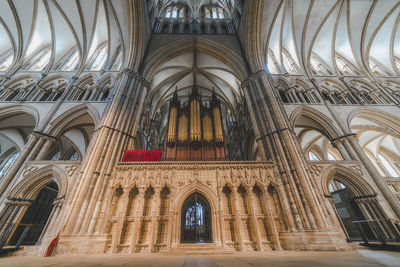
<point>207,129</point>
<point>196,128</point>
<point>195,123</point>
<point>182,128</point>
<point>172,124</point>
<point>219,136</point>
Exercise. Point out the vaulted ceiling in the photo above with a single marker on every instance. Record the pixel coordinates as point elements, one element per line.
<point>178,74</point>
<point>364,32</point>
<point>27,27</point>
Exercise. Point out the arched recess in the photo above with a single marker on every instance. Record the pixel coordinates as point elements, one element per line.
<point>211,198</point>
<point>315,132</point>
<point>73,131</point>
<point>16,124</point>
<point>34,205</point>
<point>196,220</point>
<point>354,205</point>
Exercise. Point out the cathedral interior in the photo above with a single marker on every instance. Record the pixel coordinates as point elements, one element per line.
<point>278,122</point>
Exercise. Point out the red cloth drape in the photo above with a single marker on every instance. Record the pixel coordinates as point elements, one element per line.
<point>142,155</point>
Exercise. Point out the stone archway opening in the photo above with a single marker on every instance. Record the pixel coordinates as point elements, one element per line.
<point>349,212</point>
<point>196,220</point>
<point>35,218</point>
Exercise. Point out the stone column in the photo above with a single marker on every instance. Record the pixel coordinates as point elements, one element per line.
<point>339,145</point>
<point>107,145</point>
<point>283,148</point>
<point>270,218</point>
<point>121,211</point>
<point>238,219</point>
<point>155,207</point>
<point>7,179</point>
<point>138,218</point>
<point>221,216</point>
<point>379,181</point>
<point>36,148</point>
<point>254,218</point>
<point>48,143</point>
<point>55,217</point>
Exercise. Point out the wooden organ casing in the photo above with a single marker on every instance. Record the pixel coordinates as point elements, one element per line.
<point>195,131</point>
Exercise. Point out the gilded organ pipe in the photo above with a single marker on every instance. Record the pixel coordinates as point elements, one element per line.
<point>207,129</point>
<point>219,136</point>
<point>182,128</point>
<point>172,124</point>
<point>195,123</point>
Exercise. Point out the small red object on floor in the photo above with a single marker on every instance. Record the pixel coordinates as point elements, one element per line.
<point>52,247</point>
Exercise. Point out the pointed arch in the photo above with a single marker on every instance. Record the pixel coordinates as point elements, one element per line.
<point>59,124</point>
<point>318,121</point>
<point>356,183</point>
<point>31,184</point>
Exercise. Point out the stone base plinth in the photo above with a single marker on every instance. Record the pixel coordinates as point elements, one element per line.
<point>314,240</point>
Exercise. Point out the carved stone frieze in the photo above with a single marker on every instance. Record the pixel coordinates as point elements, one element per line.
<point>181,175</point>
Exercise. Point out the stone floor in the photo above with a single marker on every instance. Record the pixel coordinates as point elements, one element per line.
<point>282,258</point>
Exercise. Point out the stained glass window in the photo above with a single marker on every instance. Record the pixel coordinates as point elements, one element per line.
<point>8,164</point>
<point>74,156</point>
<point>56,156</point>
<point>195,215</point>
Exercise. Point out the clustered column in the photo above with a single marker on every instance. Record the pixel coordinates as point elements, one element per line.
<point>115,133</point>
<point>281,146</point>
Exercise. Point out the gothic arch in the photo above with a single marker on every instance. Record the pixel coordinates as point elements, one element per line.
<point>61,121</point>
<point>382,117</point>
<point>354,181</point>
<point>211,198</point>
<point>184,193</point>
<point>31,184</point>
<point>324,123</point>
<point>18,109</point>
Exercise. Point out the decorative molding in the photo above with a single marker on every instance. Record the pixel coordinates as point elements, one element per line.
<point>181,174</point>
<point>71,169</point>
<point>317,169</point>
<point>357,169</point>
<point>136,75</point>
<point>29,169</point>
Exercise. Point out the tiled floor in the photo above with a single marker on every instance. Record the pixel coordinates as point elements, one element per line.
<point>282,258</point>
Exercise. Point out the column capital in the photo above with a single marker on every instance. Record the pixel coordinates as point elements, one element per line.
<point>251,77</point>
<point>43,135</point>
<point>340,139</point>
<point>135,75</point>
<point>314,81</point>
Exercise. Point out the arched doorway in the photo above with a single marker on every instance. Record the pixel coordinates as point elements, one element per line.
<point>36,216</point>
<point>348,211</point>
<point>196,220</point>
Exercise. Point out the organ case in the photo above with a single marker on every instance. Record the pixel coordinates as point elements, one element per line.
<point>195,131</point>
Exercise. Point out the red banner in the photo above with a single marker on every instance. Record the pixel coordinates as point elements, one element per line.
<point>142,155</point>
